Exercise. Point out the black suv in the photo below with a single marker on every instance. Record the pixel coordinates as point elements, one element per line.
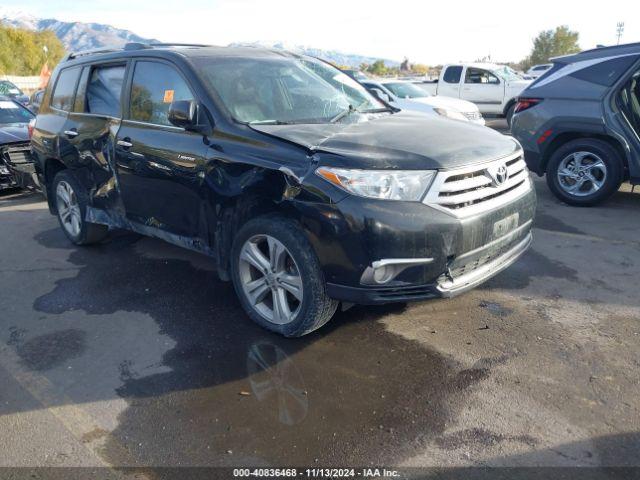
<point>580,123</point>
<point>306,190</point>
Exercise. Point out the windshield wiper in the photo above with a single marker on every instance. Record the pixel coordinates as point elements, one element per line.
<point>377,110</point>
<point>270,122</point>
<point>342,114</point>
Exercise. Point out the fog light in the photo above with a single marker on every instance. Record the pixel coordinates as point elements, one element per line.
<point>387,269</point>
<point>383,274</point>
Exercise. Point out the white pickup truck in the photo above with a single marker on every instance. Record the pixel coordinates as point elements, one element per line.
<point>493,88</point>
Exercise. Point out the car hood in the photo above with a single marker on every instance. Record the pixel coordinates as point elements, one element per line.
<point>14,133</point>
<point>438,101</point>
<point>408,140</point>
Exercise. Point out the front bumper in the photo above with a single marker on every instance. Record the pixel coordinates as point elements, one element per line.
<point>446,286</point>
<point>455,254</point>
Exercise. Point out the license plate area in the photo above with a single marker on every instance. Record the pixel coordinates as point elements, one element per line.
<point>505,226</point>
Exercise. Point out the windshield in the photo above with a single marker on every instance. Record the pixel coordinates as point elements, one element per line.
<point>507,73</point>
<point>10,112</point>
<point>406,90</point>
<point>284,90</point>
<point>8,88</point>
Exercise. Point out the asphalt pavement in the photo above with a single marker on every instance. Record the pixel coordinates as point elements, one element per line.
<point>133,353</point>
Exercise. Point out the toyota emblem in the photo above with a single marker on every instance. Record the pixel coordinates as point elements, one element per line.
<point>499,175</point>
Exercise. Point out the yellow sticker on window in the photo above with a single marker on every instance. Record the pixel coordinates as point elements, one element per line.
<point>168,96</point>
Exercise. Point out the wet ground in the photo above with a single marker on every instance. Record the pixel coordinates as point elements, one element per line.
<point>133,353</point>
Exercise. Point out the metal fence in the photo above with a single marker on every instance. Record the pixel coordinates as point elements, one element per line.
<point>27,84</point>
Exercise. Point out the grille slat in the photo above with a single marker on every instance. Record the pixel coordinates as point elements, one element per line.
<point>472,190</point>
<point>17,154</point>
<point>473,115</point>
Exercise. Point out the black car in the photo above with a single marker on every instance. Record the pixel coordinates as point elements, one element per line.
<point>580,123</point>
<point>16,165</point>
<point>10,90</point>
<point>306,190</point>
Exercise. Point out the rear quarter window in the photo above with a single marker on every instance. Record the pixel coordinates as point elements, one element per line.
<point>104,90</point>
<point>65,88</point>
<point>606,73</point>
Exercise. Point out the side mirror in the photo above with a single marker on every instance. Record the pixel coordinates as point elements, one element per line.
<point>182,113</point>
<point>380,95</point>
<point>189,115</point>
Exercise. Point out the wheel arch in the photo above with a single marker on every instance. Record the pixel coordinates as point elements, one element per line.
<point>272,195</point>
<point>568,136</point>
<point>51,168</point>
<point>508,105</point>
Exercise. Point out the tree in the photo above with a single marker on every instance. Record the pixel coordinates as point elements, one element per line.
<point>552,43</point>
<point>419,68</point>
<point>22,53</point>
<point>377,68</point>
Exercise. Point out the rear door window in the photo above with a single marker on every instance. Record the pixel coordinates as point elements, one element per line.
<point>64,90</point>
<point>104,90</point>
<point>155,85</point>
<point>453,74</point>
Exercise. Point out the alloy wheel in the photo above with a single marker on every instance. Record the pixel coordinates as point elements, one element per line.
<point>582,173</point>
<point>68,209</point>
<point>270,279</point>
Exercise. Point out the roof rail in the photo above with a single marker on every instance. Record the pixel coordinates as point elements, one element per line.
<point>151,45</point>
<point>82,53</point>
<point>129,47</point>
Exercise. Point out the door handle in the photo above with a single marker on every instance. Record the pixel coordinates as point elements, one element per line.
<point>71,133</point>
<point>160,166</point>
<point>124,144</point>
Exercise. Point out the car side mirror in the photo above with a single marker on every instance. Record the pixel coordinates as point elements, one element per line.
<point>187,114</point>
<point>183,114</point>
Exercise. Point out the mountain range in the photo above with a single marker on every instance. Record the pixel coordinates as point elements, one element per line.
<point>77,36</point>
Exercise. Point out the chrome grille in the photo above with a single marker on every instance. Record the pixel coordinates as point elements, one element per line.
<point>475,189</point>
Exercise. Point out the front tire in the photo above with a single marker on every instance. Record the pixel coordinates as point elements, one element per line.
<point>278,278</point>
<point>584,172</point>
<point>71,206</point>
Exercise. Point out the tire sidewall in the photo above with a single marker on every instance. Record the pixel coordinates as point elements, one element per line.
<point>293,238</point>
<point>608,155</point>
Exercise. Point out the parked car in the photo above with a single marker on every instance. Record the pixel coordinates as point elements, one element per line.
<point>493,88</point>
<point>306,189</point>
<point>16,164</point>
<point>580,124</point>
<point>36,100</point>
<point>8,89</point>
<point>406,95</point>
<point>355,74</point>
<point>539,70</point>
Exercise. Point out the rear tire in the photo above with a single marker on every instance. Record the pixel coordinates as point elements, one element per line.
<point>584,172</point>
<point>71,203</point>
<point>271,258</point>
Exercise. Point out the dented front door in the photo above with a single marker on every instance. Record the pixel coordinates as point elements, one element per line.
<point>159,165</point>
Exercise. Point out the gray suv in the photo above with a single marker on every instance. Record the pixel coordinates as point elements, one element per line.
<point>580,123</point>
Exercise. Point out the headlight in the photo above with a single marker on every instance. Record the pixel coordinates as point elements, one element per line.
<point>408,185</point>
<point>453,114</point>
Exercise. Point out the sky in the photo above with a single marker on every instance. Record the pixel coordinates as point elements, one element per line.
<point>431,32</point>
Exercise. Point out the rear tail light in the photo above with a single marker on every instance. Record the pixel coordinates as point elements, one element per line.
<point>526,103</point>
<point>32,125</point>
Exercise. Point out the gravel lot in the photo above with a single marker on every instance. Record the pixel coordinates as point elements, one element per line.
<point>134,353</point>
